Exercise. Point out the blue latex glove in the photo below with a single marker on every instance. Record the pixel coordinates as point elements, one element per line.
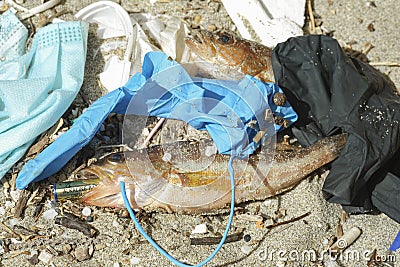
<point>165,89</point>
<point>37,87</point>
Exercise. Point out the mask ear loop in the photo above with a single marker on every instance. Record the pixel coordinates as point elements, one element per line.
<point>162,251</point>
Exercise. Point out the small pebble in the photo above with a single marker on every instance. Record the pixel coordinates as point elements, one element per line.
<point>86,211</point>
<point>260,225</point>
<point>246,249</point>
<point>116,264</point>
<point>66,248</point>
<point>2,211</point>
<point>197,19</point>
<point>100,246</point>
<point>200,229</point>
<point>82,253</point>
<point>89,219</point>
<point>247,238</point>
<point>211,27</point>
<point>6,185</point>
<point>45,256</point>
<point>34,259</point>
<point>279,99</point>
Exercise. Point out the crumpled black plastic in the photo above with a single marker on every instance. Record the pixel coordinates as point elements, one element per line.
<point>332,93</point>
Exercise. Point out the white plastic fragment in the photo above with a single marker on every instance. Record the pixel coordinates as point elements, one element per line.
<point>167,157</point>
<point>49,214</point>
<point>135,261</point>
<point>45,256</point>
<point>271,21</point>
<point>211,150</point>
<point>86,211</point>
<point>200,229</point>
<point>112,21</point>
<point>16,241</point>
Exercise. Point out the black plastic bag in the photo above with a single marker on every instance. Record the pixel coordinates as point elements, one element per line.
<point>333,93</point>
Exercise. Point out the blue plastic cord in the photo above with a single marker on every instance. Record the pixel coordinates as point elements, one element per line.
<point>396,243</point>
<point>162,251</point>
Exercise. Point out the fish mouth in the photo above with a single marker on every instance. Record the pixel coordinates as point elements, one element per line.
<point>202,44</point>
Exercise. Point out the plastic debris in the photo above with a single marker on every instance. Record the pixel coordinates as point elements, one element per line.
<point>86,211</point>
<point>135,261</point>
<point>49,214</point>
<point>200,229</point>
<point>112,21</point>
<point>330,103</point>
<point>168,32</point>
<point>396,243</point>
<point>271,21</point>
<point>36,87</point>
<point>45,257</point>
<point>246,249</point>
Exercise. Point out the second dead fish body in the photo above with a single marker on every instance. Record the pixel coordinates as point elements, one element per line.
<point>206,188</point>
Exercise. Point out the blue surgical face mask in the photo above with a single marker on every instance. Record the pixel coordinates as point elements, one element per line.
<point>37,87</point>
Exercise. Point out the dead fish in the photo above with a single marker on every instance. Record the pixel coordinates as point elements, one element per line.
<point>154,182</point>
<point>228,52</point>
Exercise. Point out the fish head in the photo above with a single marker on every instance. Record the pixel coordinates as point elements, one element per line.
<point>220,47</point>
<point>231,53</point>
<point>109,171</point>
<point>111,167</point>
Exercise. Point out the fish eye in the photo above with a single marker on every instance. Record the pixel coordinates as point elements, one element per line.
<point>224,38</point>
<point>116,157</point>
